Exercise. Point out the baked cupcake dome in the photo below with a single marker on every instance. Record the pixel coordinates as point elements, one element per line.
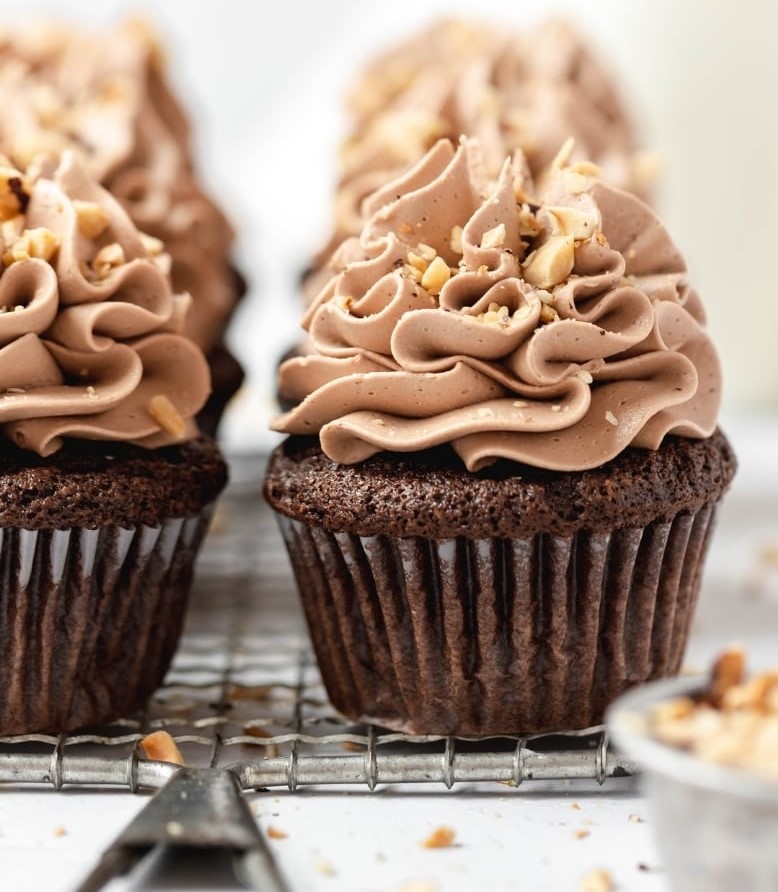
<point>516,398</point>
<point>107,487</point>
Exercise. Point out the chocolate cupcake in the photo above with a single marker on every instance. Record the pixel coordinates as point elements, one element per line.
<point>502,521</point>
<point>105,96</point>
<point>106,486</point>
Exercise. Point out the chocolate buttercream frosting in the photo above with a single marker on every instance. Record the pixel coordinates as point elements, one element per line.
<point>90,329</point>
<point>529,90</point>
<point>550,325</point>
<point>105,97</point>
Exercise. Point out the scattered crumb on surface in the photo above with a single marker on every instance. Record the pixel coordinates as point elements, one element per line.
<point>60,831</point>
<point>324,867</point>
<point>418,886</point>
<point>596,880</point>
<point>575,805</point>
<point>767,555</point>
<point>440,838</point>
<point>275,833</point>
<point>636,819</point>
<point>581,834</point>
<point>159,746</point>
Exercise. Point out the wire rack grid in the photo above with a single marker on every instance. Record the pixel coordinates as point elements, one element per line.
<point>244,692</point>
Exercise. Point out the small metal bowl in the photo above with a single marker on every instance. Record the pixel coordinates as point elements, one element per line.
<point>716,827</point>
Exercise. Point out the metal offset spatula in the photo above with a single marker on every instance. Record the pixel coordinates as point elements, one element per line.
<point>199,808</point>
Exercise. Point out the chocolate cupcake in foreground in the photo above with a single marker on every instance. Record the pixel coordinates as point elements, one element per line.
<point>505,466</point>
<point>106,487</point>
<point>104,94</point>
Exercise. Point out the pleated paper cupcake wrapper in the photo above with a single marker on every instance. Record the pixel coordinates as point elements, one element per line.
<point>89,619</point>
<point>496,636</point>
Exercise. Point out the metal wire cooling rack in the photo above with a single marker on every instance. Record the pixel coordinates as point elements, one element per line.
<point>244,692</point>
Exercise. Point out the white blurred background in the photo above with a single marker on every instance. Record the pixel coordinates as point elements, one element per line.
<point>264,82</point>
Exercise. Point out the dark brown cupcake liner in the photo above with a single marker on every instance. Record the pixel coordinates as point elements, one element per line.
<point>89,619</point>
<point>496,636</point>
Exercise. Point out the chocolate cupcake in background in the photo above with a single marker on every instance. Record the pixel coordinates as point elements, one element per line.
<point>106,485</point>
<point>528,90</point>
<point>504,467</point>
<point>105,96</point>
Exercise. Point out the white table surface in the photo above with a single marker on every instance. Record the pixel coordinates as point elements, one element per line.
<point>525,839</point>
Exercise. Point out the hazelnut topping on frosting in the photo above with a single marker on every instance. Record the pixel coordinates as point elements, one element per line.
<point>89,325</point>
<point>528,90</point>
<point>554,327</point>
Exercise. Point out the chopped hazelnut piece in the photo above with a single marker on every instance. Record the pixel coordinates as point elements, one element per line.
<point>411,272</point>
<point>153,246</point>
<point>455,239</point>
<point>160,747</point>
<point>417,261</point>
<point>728,671</point>
<point>584,376</point>
<point>108,258</point>
<point>551,263</point>
<point>14,193</point>
<point>92,219</point>
<point>495,314</point>
<point>436,276</point>
<point>596,880</point>
<point>271,749</point>
<point>575,182</point>
<point>426,251</point>
<point>440,838</point>
<point>548,315</point>
<point>324,867</point>
<point>528,224</point>
<point>585,168</point>
<point>167,416</point>
<point>611,418</point>
<point>275,833</point>
<point>570,221</point>
<point>563,155</point>
<point>40,242</point>
<point>494,238</point>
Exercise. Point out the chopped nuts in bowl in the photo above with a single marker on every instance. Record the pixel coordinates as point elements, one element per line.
<point>708,748</point>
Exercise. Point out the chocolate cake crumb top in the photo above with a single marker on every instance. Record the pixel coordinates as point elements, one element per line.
<point>93,484</point>
<point>430,494</point>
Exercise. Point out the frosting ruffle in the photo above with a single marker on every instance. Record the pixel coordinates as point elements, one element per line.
<point>90,330</point>
<point>104,96</point>
<point>556,333</point>
<point>529,91</point>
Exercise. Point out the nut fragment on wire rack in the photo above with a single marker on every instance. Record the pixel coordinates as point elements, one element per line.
<point>440,838</point>
<point>275,833</point>
<point>160,747</point>
<point>271,749</point>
